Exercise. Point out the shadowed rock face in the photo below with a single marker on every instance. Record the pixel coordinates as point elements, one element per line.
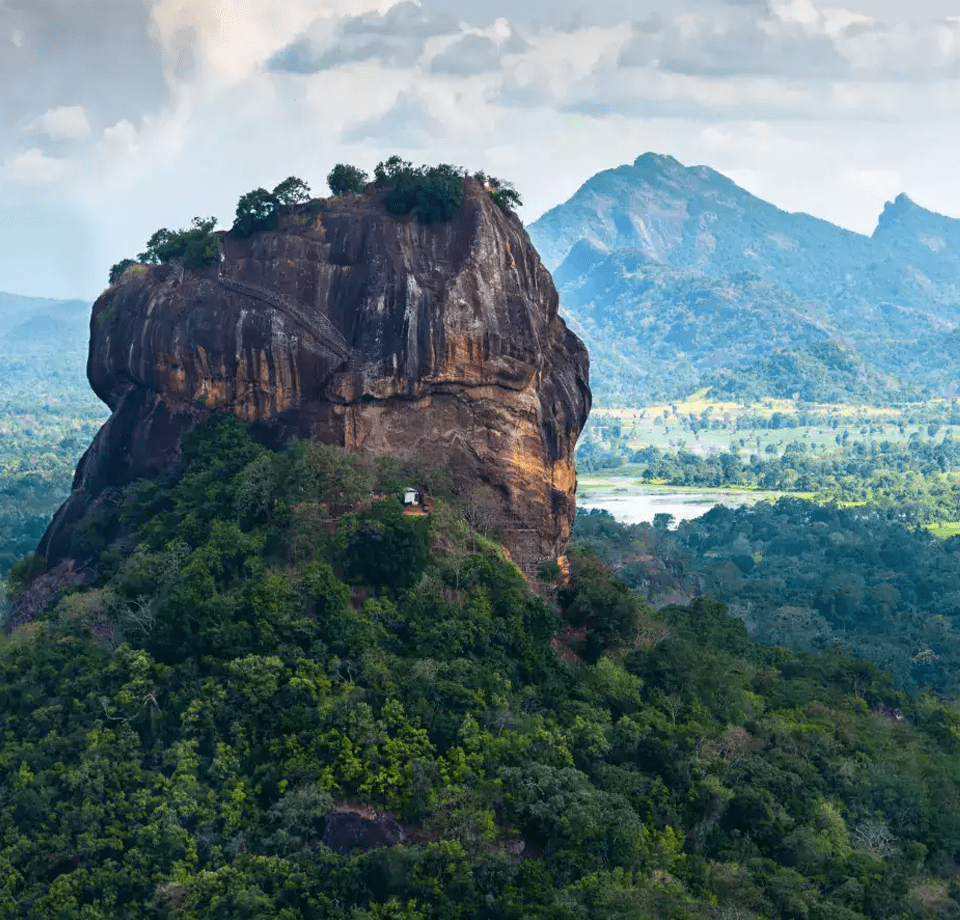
<point>359,329</point>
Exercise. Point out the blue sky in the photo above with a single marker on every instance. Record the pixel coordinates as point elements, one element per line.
<point>122,116</point>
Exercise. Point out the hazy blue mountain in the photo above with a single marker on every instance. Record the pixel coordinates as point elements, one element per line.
<point>16,308</point>
<point>676,278</point>
<point>48,413</point>
<point>40,337</point>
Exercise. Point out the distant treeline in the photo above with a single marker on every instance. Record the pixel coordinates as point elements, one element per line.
<point>807,576</point>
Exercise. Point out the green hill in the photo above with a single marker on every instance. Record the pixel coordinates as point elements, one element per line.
<point>277,698</point>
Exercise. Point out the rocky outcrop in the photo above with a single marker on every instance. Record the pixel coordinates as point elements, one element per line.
<point>347,831</point>
<point>359,329</point>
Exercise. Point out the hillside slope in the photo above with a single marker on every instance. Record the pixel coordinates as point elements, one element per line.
<point>262,709</point>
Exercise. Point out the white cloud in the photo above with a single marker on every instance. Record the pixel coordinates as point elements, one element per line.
<point>35,166</point>
<point>818,108</point>
<point>65,122</point>
<point>121,137</point>
<point>396,37</point>
<point>408,123</point>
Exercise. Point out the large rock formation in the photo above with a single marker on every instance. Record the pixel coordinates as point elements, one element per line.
<point>348,325</point>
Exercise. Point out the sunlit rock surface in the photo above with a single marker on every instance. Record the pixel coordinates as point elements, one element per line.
<point>359,329</point>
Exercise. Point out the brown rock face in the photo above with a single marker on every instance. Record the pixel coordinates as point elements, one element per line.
<point>359,329</point>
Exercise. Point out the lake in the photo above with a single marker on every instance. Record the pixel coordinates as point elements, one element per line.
<point>640,503</point>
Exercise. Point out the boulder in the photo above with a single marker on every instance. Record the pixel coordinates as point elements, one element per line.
<point>360,329</point>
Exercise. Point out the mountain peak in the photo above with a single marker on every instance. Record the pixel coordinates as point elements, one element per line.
<point>902,204</point>
<point>903,218</point>
<point>657,161</point>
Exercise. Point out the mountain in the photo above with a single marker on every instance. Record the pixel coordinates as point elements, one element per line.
<point>38,334</point>
<point>352,327</point>
<point>677,278</point>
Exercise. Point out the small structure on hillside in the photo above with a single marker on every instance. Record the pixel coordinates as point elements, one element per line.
<point>411,496</point>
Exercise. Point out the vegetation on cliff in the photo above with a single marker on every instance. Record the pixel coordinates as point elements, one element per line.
<point>433,193</point>
<point>271,656</point>
<point>345,179</point>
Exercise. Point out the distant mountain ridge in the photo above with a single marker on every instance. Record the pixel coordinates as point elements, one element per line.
<point>678,278</point>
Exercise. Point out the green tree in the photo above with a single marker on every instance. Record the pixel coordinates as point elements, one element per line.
<point>345,179</point>
<point>292,191</point>
<point>384,547</point>
<point>504,195</point>
<point>193,247</point>
<point>256,210</point>
<point>117,270</point>
<point>435,193</point>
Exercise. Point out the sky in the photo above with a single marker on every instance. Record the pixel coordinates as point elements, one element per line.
<point>118,117</point>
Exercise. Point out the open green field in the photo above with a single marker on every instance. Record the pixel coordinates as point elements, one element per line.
<point>627,480</point>
<point>704,426</point>
<point>903,459</point>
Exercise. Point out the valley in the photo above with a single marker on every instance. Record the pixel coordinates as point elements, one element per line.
<point>904,457</point>
<point>48,414</point>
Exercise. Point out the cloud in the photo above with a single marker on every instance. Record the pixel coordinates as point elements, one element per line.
<point>739,45</point>
<point>66,53</point>
<point>35,166</point>
<point>185,100</point>
<point>397,37</point>
<point>912,51</point>
<point>65,122</point>
<point>549,16</point>
<point>183,54</point>
<point>469,55</point>
<point>515,44</point>
<point>408,123</point>
<point>406,19</point>
<point>121,137</point>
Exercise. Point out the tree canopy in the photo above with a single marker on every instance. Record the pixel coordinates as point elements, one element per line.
<point>191,247</point>
<point>259,209</point>
<point>433,193</point>
<point>281,697</point>
<point>344,179</point>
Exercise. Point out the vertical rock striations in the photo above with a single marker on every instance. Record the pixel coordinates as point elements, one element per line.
<point>359,329</point>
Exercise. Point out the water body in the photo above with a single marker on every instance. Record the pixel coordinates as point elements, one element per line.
<point>640,503</point>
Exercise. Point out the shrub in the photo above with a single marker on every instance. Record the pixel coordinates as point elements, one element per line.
<point>24,571</point>
<point>192,247</point>
<point>501,192</point>
<point>435,193</point>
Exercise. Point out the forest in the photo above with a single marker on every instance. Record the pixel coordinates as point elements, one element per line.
<point>48,415</point>
<point>807,576</point>
<point>284,698</point>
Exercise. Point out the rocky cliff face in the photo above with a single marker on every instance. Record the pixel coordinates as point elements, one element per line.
<point>359,329</point>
